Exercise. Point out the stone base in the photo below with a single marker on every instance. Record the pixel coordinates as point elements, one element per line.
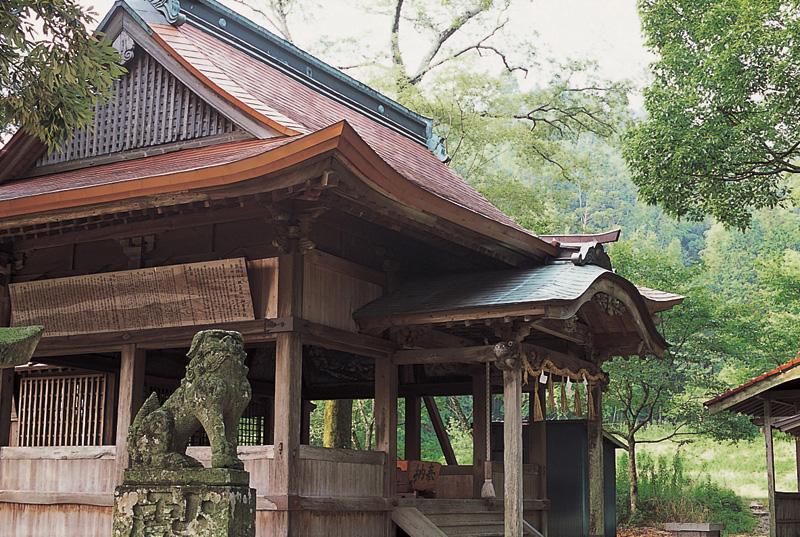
<point>199,510</point>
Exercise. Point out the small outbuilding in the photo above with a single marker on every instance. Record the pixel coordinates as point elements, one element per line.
<point>771,400</point>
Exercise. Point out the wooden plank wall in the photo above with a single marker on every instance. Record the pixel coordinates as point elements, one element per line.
<point>334,288</point>
<point>53,469</point>
<point>43,488</point>
<point>787,514</point>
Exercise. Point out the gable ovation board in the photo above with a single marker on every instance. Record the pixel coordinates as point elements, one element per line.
<point>177,295</point>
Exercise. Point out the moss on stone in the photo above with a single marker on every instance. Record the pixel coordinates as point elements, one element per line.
<point>17,344</point>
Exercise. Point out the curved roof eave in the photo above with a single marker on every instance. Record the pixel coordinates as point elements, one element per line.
<point>375,172</point>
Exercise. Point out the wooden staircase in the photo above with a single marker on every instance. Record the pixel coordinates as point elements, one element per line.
<point>456,518</point>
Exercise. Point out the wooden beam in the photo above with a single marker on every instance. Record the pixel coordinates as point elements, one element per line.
<point>378,324</point>
<point>441,431</point>
<point>758,388</point>
<point>770,469</point>
<point>145,227</point>
<point>256,331</point>
<point>596,473</point>
<point>386,420</point>
<point>129,399</point>
<point>512,452</point>
<point>580,335</point>
<point>413,428</point>
<point>478,354</point>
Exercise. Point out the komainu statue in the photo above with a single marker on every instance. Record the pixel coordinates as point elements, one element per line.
<point>213,394</point>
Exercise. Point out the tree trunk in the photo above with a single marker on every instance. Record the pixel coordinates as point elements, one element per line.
<point>633,477</point>
<point>338,418</point>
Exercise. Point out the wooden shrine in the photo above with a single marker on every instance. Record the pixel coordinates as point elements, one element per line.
<point>235,182</point>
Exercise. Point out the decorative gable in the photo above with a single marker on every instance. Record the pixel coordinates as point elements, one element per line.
<point>150,107</point>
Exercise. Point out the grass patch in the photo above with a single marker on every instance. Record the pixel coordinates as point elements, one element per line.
<point>667,494</point>
<point>741,467</point>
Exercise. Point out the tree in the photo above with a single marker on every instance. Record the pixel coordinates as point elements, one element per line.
<point>673,387</point>
<point>723,125</point>
<point>52,72</point>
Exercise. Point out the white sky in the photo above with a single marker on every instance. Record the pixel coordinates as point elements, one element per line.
<point>604,31</point>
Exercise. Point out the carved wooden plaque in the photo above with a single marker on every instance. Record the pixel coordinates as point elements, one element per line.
<point>176,295</point>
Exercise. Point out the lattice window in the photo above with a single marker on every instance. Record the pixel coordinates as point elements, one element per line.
<point>64,410</point>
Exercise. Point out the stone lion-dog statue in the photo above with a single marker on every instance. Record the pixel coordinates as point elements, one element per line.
<point>212,395</point>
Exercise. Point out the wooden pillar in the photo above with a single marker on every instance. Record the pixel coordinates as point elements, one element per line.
<point>130,396</point>
<point>479,432</point>
<point>386,419</point>
<point>537,455</point>
<point>305,424</point>
<point>512,452</point>
<point>773,526</point>
<point>596,484</point>
<point>797,459</point>
<point>6,375</point>
<point>413,428</point>
<point>288,382</point>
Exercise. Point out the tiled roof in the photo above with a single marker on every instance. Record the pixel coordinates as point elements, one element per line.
<point>783,368</point>
<point>131,170</point>
<point>312,110</point>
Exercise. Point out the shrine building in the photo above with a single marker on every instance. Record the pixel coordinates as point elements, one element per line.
<point>234,181</point>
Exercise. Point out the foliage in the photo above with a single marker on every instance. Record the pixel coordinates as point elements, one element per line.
<point>51,71</point>
<point>668,495</point>
<point>722,128</point>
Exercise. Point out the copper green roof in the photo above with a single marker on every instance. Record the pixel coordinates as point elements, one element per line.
<point>545,284</point>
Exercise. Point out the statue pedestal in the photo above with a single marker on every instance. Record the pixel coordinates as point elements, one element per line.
<point>202,502</point>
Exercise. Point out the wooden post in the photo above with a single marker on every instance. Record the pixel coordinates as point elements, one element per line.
<point>797,460</point>
<point>537,454</point>
<point>130,397</point>
<point>773,526</point>
<point>386,419</point>
<point>512,452</point>
<point>479,413</point>
<point>386,427</point>
<point>288,387</point>
<point>6,375</point>
<point>413,427</point>
<point>595,448</point>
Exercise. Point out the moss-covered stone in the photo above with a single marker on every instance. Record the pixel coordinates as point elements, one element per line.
<point>184,510</point>
<point>212,395</point>
<point>17,344</point>
<point>186,476</point>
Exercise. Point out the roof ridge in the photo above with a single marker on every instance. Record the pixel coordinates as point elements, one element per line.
<point>242,33</point>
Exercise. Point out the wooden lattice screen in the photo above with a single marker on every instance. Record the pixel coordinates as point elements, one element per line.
<point>67,410</point>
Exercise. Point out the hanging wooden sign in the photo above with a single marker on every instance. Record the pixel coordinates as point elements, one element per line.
<point>176,295</point>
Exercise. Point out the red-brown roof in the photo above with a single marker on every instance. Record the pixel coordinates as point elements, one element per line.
<point>132,170</point>
<point>791,364</point>
<point>307,108</point>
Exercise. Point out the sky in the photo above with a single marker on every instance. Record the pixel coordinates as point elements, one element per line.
<point>604,31</point>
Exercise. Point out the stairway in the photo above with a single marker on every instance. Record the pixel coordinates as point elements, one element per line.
<point>457,518</point>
